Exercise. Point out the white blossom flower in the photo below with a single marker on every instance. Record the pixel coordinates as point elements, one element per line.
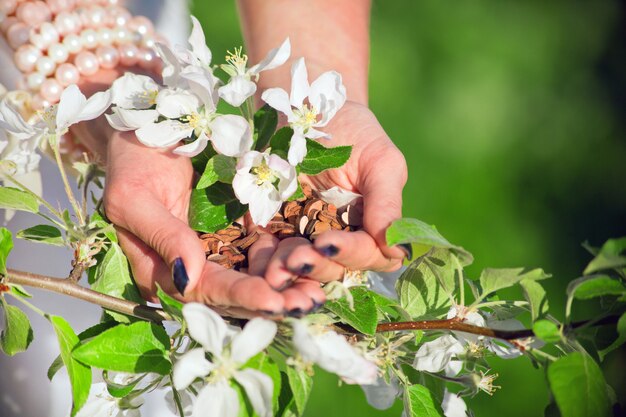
<point>453,405</point>
<point>241,85</point>
<point>307,107</point>
<point>134,98</point>
<point>446,352</point>
<point>101,404</point>
<point>264,181</point>
<point>230,349</point>
<point>381,395</point>
<point>19,141</point>
<point>332,353</point>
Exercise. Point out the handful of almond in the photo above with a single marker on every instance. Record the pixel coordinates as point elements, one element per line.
<point>306,217</point>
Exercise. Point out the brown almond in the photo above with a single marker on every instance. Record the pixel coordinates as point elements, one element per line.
<point>332,209</point>
<point>325,216</point>
<point>222,260</point>
<point>245,242</point>
<point>292,208</point>
<point>229,234</point>
<point>310,227</point>
<point>313,206</point>
<point>304,221</point>
<point>335,225</point>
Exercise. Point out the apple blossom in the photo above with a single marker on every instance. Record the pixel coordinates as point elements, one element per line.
<point>308,106</point>
<point>241,85</point>
<point>264,181</point>
<point>230,349</point>
<point>333,353</point>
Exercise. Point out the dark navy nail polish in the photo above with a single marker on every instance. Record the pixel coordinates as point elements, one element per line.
<point>179,274</point>
<point>288,283</point>
<point>407,248</point>
<point>295,313</point>
<point>329,251</point>
<point>270,313</point>
<point>316,305</point>
<point>305,269</point>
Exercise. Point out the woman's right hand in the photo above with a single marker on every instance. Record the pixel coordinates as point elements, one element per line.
<point>147,199</point>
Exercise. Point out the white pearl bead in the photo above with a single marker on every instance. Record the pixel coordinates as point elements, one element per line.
<point>73,43</point>
<point>44,36</point>
<point>89,38</point>
<point>34,80</point>
<point>122,36</point>
<point>148,42</point>
<point>67,22</point>
<point>106,37</point>
<point>26,57</point>
<point>58,52</point>
<point>45,65</point>
<point>95,16</point>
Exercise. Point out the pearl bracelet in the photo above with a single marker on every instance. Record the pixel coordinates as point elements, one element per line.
<point>57,41</point>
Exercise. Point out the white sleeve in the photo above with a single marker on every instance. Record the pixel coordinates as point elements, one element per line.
<point>170,18</point>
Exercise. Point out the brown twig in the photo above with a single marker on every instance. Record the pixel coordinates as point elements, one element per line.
<point>69,288</point>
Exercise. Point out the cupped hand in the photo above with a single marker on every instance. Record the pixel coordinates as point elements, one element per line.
<point>147,198</point>
<point>377,170</point>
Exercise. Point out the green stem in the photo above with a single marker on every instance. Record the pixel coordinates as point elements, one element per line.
<point>177,401</point>
<point>40,199</point>
<point>459,271</point>
<point>29,305</point>
<point>66,183</point>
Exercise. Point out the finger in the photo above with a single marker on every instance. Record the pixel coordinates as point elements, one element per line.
<point>223,287</point>
<point>305,260</point>
<point>382,202</point>
<point>170,237</point>
<point>312,289</point>
<point>260,253</point>
<point>340,247</point>
<point>147,267</point>
<point>276,274</point>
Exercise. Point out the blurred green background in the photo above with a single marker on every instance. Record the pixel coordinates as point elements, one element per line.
<point>511,117</point>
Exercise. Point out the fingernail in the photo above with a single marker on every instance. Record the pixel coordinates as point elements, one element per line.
<point>407,248</point>
<point>179,274</point>
<point>329,251</point>
<point>316,305</point>
<point>271,313</point>
<point>305,269</point>
<point>295,313</point>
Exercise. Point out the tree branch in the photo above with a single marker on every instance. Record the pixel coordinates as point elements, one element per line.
<point>69,288</point>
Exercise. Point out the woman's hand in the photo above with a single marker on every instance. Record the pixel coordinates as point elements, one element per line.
<point>378,171</point>
<point>147,198</point>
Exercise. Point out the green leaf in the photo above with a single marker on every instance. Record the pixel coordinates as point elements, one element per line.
<point>298,194</point>
<point>138,347</point>
<point>112,277</point>
<point>199,161</point>
<point>80,374</point>
<point>425,288</point>
<point>578,386</point>
<point>43,233</point>
<point>609,257</point>
<point>14,199</point>
<point>265,122</point>
<point>17,334</point>
<point>547,331</point>
<point>219,168</point>
<point>6,244</point>
<point>86,334</point>
<point>417,232</point>
<point>364,317</point>
<point>320,158</point>
<point>621,337</point>
<point>492,280</point>
<point>536,297</point>
<point>121,390</point>
<point>419,402</point>
<point>19,291</point>
<point>170,304</point>
<point>264,363</point>
<point>301,386</point>
<point>279,143</point>
<point>586,288</point>
<point>214,208</point>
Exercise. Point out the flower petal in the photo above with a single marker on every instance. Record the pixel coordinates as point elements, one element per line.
<point>274,58</point>
<point>198,43</point>
<point>69,107</point>
<point>382,395</point>
<point>434,356</point>
<point>297,148</point>
<point>259,388</point>
<point>95,106</point>
<point>124,119</point>
<point>278,99</point>
<point>132,91</point>
<point>327,95</point>
<point>171,67</point>
<point>190,366</point>
<point>216,400</point>
<point>163,134</point>
<point>287,184</point>
<point>194,148</point>
<point>256,335</point>
<point>174,104</point>
<point>231,135</point>
<point>12,120</point>
<point>202,83</point>
<point>299,83</point>
<point>206,327</point>
<point>316,134</point>
<point>237,90</point>
<point>263,200</point>
<point>453,405</point>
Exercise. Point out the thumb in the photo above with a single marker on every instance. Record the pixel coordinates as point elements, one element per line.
<point>382,204</point>
<point>170,237</point>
